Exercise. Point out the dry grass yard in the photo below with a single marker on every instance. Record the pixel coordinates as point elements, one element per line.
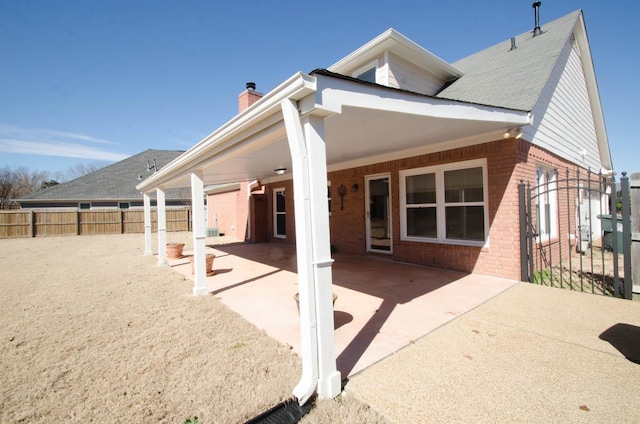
<point>93,331</point>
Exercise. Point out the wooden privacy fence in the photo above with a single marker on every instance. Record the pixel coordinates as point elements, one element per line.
<point>69,223</point>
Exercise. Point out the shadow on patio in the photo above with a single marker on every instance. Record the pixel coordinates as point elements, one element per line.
<point>381,307</point>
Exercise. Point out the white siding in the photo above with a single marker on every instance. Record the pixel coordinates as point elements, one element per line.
<point>563,121</point>
<point>407,76</point>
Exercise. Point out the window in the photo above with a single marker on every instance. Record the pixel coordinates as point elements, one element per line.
<point>546,203</point>
<point>329,196</point>
<point>85,206</point>
<point>445,203</point>
<point>367,73</point>
<point>123,205</point>
<point>279,214</point>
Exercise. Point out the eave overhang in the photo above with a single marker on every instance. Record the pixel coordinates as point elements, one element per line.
<point>363,123</point>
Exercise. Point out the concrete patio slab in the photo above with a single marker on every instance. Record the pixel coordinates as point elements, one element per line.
<point>381,307</point>
<point>531,354</point>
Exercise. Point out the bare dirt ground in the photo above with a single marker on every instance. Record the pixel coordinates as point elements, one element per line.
<point>591,272</point>
<point>93,331</point>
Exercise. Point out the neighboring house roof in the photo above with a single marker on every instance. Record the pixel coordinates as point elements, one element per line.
<point>114,182</point>
<point>500,76</point>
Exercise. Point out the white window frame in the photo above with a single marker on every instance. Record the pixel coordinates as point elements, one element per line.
<point>365,68</point>
<point>550,185</point>
<point>440,204</point>
<point>276,213</point>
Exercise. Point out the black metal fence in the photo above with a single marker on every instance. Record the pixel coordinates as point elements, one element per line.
<point>575,232</point>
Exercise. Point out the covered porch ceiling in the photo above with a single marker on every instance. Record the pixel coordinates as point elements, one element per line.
<point>363,123</point>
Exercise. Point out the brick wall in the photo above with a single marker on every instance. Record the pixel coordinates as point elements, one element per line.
<point>231,209</point>
<point>508,161</point>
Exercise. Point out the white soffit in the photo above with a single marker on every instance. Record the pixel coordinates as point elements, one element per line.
<point>368,121</point>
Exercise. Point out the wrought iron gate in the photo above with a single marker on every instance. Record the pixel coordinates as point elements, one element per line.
<point>575,232</point>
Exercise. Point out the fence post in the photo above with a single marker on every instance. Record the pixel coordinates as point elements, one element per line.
<point>635,232</point>
<point>524,271</point>
<point>33,223</point>
<point>626,235</point>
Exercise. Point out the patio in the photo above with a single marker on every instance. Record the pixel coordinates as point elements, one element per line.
<point>382,305</point>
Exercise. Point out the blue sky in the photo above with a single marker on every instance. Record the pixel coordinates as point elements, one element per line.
<point>82,81</point>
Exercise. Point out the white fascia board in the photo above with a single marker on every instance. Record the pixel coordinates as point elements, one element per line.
<point>580,33</point>
<point>392,40</point>
<point>296,87</point>
<point>335,93</point>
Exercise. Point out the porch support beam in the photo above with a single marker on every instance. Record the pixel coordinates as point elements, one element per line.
<point>199,235</point>
<point>148,249</point>
<point>308,154</point>
<point>162,227</point>
<point>329,381</point>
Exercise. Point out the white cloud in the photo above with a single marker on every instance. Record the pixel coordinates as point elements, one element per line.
<point>54,143</point>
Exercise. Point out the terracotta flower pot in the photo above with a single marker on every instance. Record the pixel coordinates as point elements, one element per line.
<point>209,264</point>
<point>296,297</point>
<point>174,250</point>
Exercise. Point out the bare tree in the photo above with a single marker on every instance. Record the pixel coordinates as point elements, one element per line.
<point>7,183</point>
<point>83,168</point>
<point>28,181</point>
<point>19,182</point>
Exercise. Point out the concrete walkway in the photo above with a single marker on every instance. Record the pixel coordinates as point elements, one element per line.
<point>531,354</point>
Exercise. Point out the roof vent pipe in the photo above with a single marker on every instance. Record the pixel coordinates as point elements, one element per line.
<point>251,86</point>
<point>513,44</point>
<point>536,7</point>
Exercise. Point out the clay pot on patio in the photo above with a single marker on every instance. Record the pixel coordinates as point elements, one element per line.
<point>296,297</point>
<point>209,264</point>
<point>174,250</point>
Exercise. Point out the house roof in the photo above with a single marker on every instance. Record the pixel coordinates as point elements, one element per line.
<point>500,76</point>
<point>498,89</point>
<point>403,47</point>
<point>114,182</point>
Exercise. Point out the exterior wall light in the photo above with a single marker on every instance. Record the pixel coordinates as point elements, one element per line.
<point>514,132</point>
<point>280,171</point>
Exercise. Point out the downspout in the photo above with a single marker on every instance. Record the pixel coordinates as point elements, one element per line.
<point>306,290</point>
<point>249,188</point>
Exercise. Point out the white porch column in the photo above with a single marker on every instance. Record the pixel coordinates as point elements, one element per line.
<point>162,227</point>
<point>313,255</point>
<point>329,382</point>
<point>199,235</point>
<point>148,248</point>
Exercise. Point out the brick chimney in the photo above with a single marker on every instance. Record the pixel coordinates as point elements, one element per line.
<point>248,97</point>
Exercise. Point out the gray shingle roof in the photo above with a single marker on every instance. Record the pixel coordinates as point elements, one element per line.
<point>512,79</point>
<point>114,182</point>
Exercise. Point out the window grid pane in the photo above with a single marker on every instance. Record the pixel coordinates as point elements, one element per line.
<point>465,222</point>
<point>463,185</point>
<point>422,222</point>
<point>421,189</point>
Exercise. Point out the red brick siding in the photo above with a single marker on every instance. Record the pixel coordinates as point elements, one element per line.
<point>231,208</point>
<point>508,161</point>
